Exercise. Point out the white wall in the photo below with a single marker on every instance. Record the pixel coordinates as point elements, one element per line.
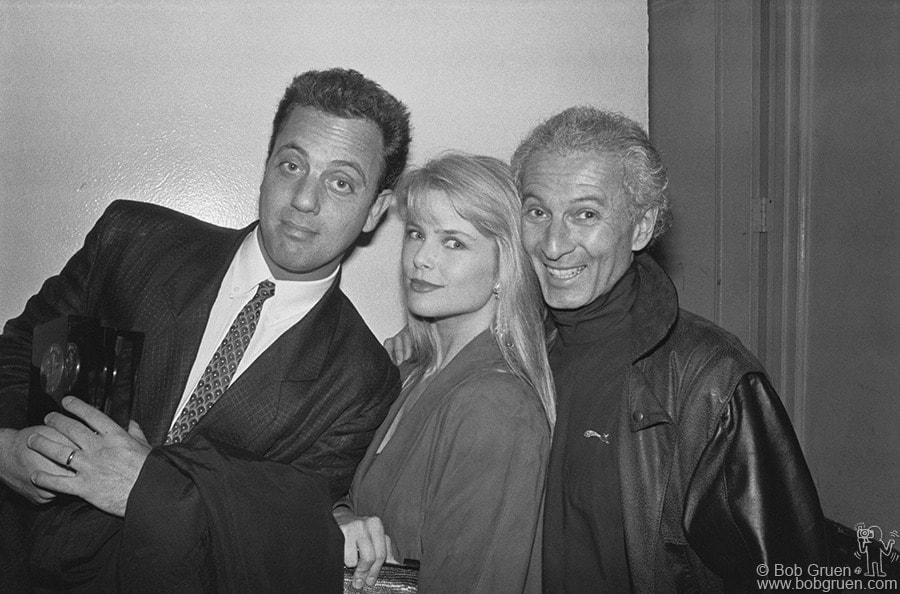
<point>171,102</point>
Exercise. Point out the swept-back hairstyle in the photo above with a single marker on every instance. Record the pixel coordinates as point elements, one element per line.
<point>349,94</point>
<point>590,130</point>
<point>482,190</point>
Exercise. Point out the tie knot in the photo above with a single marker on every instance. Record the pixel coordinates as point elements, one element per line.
<point>266,289</point>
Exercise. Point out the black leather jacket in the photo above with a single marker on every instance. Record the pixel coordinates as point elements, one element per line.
<point>713,479</point>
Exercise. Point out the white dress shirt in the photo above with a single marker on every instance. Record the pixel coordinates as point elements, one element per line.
<point>292,301</point>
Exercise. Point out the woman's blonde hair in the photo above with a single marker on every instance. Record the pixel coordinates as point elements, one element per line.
<point>482,191</point>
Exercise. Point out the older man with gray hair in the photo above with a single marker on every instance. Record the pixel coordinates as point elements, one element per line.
<point>674,465</point>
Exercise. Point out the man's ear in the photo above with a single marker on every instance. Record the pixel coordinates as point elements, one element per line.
<point>378,208</point>
<point>643,229</point>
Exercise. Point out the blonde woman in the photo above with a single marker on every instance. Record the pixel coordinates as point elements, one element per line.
<point>454,477</point>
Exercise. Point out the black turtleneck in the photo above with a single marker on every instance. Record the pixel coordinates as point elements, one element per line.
<point>584,534</point>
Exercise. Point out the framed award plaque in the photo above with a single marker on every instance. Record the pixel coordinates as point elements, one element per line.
<point>79,356</point>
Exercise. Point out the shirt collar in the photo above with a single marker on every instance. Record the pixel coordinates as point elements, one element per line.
<point>249,268</point>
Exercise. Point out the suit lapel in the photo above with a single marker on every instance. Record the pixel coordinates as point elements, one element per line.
<point>189,293</point>
<point>250,405</point>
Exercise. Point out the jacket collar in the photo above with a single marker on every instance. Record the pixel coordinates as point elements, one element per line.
<point>195,280</point>
<point>299,355</point>
<point>653,317</point>
<point>655,308</point>
<point>645,457</point>
<point>190,292</point>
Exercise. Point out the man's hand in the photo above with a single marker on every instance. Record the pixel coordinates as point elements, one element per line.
<point>18,463</point>
<point>399,346</point>
<point>102,458</point>
<point>366,546</point>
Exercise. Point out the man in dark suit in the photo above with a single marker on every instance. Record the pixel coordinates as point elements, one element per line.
<point>260,385</point>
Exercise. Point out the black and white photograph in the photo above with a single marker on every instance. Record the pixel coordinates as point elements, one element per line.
<point>449,296</point>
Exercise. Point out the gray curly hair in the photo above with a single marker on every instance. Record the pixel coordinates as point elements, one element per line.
<point>590,130</point>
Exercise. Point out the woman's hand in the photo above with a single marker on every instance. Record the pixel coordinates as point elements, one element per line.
<point>366,546</point>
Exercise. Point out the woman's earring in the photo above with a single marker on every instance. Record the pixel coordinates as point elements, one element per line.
<point>496,291</point>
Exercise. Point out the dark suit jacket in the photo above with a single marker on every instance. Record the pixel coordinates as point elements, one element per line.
<point>311,402</point>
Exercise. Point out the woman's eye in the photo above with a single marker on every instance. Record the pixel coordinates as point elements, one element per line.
<point>454,244</point>
<point>587,215</point>
<point>413,234</point>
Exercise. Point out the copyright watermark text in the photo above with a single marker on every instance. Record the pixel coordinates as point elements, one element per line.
<point>819,578</point>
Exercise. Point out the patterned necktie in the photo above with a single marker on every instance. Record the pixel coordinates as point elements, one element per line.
<point>221,368</point>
